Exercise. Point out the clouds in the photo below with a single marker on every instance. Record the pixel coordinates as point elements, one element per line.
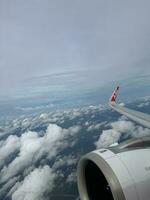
<point>120,128</point>
<point>145,102</point>
<point>38,182</point>
<point>34,147</point>
<point>19,176</point>
<point>107,138</point>
<point>45,139</point>
<point>41,121</point>
<point>35,108</point>
<point>123,126</point>
<point>45,148</point>
<point>9,147</point>
<point>72,178</point>
<point>95,127</point>
<point>110,136</point>
<point>58,37</point>
<point>66,160</point>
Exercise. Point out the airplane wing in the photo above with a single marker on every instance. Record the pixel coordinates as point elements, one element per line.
<point>139,117</point>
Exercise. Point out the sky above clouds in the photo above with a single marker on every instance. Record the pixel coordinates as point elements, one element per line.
<point>53,45</point>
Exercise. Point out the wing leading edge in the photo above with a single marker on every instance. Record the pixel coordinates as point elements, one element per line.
<point>139,117</point>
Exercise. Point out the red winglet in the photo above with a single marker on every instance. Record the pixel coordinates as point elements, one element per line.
<point>114,95</point>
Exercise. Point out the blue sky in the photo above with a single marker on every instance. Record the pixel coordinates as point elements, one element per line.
<point>65,46</point>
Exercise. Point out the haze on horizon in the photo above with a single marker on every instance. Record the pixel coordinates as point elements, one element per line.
<point>66,46</point>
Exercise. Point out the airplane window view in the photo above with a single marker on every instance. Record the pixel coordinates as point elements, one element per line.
<point>74,100</point>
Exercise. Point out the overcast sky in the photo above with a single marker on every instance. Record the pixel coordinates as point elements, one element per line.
<point>56,44</point>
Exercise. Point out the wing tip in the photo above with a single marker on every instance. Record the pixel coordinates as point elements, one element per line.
<point>113,98</point>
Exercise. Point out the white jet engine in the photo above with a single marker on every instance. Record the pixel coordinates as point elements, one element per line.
<point>117,173</point>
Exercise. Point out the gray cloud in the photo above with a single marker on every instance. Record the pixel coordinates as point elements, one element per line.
<point>87,39</point>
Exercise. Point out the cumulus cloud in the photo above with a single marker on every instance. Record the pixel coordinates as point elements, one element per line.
<point>35,184</point>
<point>42,120</point>
<point>72,178</point>
<point>108,137</point>
<point>123,126</point>
<point>140,132</point>
<point>33,148</point>
<point>65,161</point>
<point>39,141</point>
<point>30,145</point>
<point>8,185</point>
<point>8,147</point>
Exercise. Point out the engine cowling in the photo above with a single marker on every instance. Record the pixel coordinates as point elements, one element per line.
<point>116,173</point>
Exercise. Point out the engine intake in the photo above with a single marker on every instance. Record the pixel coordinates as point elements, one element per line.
<point>116,173</point>
<point>96,177</point>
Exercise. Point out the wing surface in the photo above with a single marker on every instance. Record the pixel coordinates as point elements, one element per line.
<point>139,117</point>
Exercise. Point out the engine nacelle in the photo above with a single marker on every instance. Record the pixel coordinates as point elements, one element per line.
<point>116,173</point>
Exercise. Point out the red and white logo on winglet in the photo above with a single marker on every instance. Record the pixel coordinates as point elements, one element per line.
<point>114,96</point>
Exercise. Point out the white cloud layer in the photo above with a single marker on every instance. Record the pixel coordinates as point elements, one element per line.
<point>108,137</point>
<point>35,184</point>
<point>33,148</point>
<point>9,146</point>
